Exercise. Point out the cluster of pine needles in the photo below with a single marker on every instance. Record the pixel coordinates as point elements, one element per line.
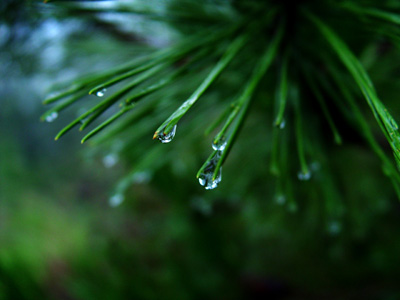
<point>308,49</point>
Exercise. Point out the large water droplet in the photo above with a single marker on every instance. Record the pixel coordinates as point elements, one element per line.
<point>205,180</point>
<point>101,93</point>
<point>166,137</point>
<point>110,160</point>
<point>206,177</point>
<point>304,176</point>
<point>116,200</point>
<point>220,145</point>
<point>51,117</point>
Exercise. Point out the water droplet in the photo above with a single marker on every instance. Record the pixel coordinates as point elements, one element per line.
<point>280,199</point>
<point>282,124</point>
<point>166,137</point>
<point>101,93</point>
<point>304,176</point>
<point>220,145</point>
<point>334,227</point>
<point>51,117</point>
<point>205,178</point>
<point>110,160</point>
<point>141,177</point>
<point>116,200</point>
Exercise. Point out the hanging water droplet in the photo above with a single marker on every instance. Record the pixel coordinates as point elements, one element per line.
<point>282,124</point>
<point>280,199</point>
<point>206,177</point>
<point>304,176</point>
<point>166,137</point>
<point>141,177</point>
<point>205,180</point>
<point>116,200</point>
<point>101,93</point>
<point>110,160</point>
<point>334,227</point>
<point>51,117</point>
<point>220,145</point>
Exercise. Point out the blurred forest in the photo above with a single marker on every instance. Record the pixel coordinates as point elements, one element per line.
<point>64,234</point>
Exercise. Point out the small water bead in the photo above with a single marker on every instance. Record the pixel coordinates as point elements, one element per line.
<point>282,124</point>
<point>141,177</point>
<point>101,93</point>
<point>166,137</point>
<point>304,176</point>
<point>220,145</point>
<point>51,117</point>
<point>110,160</point>
<point>116,200</point>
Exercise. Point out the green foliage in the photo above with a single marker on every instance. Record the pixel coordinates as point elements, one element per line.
<point>304,64</point>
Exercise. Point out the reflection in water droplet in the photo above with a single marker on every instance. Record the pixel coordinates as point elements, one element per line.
<point>334,227</point>
<point>116,200</point>
<point>110,160</point>
<point>52,117</point>
<point>166,137</point>
<point>282,125</point>
<point>304,176</point>
<point>205,178</point>
<point>101,93</point>
<point>220,145</point>
<point>280,199</point>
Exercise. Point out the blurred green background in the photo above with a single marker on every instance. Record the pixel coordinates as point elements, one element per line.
<point>62,238</point>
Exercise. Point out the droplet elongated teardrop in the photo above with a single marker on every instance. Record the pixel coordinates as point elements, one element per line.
<point>166,137</point>
<point>206,177</point>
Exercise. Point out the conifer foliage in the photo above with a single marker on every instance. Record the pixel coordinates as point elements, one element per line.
<point>307,65</point>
